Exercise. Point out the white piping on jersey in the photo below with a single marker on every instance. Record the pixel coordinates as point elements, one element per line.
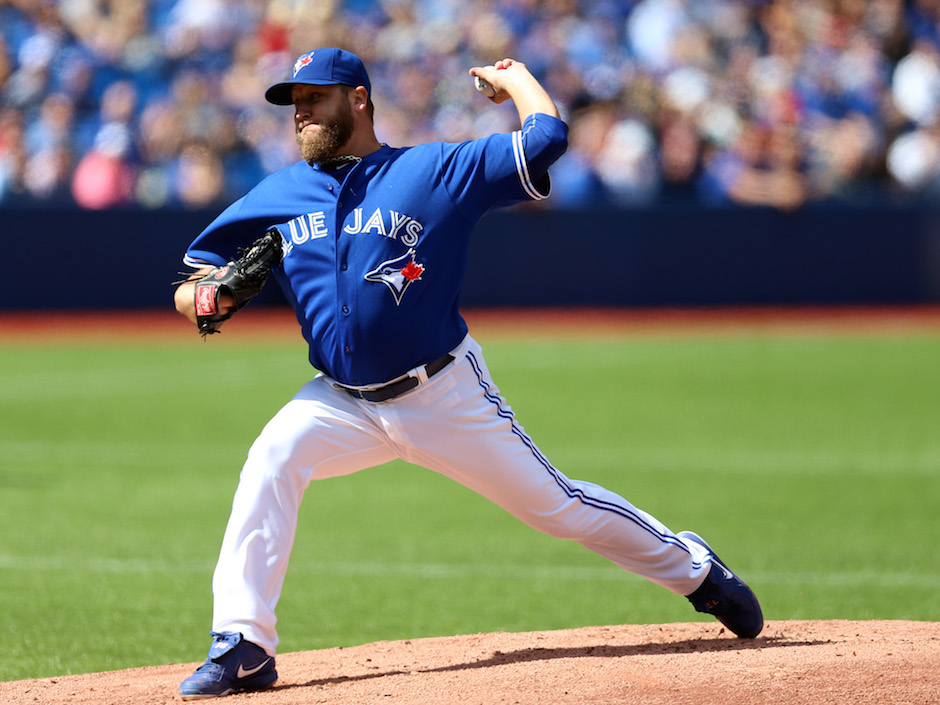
<point>522,166</point>
<point>196,263</point>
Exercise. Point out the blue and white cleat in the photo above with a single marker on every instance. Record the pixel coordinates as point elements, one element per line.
<point>725,596</point>
<point>233,666</point>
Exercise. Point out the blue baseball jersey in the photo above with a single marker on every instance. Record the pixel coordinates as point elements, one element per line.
<point>375,251</point>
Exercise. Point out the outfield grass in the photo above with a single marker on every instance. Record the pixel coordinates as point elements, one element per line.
<point>811,463</point>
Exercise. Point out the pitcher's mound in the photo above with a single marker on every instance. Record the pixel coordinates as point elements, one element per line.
<point>805,663</point>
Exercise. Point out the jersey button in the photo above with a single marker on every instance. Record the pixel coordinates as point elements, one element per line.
<point>344,266</point>
<point>345,309</point>
<point>347,349</point>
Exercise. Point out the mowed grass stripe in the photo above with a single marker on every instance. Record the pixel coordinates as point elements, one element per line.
<point>107,379</point>
<point>759,462</point>
<point>444,571</point>
<point>926,463</point>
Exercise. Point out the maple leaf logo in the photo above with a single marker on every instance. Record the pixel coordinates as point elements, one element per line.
<point>412,271</point>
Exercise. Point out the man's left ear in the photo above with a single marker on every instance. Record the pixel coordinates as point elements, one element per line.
<point>361,98</point>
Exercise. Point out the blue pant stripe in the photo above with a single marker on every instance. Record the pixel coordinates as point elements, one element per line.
<point>570,491</point>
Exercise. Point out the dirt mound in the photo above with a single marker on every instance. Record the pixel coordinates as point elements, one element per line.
<point>837,662</point>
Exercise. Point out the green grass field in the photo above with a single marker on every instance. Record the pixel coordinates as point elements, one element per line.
<point>812,464</point>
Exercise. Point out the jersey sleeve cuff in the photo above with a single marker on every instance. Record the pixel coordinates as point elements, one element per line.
<point>535,189</point>
<point>540,142</point>
<point>198,259</point>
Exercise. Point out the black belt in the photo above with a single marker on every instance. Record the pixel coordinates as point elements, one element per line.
<point>395,389</point>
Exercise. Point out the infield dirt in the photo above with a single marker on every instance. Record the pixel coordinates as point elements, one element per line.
<point>791,663</point>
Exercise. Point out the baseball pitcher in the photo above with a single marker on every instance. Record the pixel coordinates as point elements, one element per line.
<point>368,243</point>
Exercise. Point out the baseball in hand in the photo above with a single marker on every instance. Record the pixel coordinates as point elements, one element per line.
<point>484,87</point>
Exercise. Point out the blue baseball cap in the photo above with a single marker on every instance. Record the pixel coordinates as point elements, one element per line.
<point>321,67</point>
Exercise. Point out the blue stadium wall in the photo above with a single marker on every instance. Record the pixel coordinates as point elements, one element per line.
<point>678,256</point>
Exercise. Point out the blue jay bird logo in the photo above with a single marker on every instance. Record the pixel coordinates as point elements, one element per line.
<point>398,274</point>
<point>301,62</point>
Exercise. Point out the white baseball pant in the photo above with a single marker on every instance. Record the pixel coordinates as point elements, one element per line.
<point>455,423</point>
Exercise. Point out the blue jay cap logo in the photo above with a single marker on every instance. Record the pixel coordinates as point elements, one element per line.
<point>321,67</point>
<point>301,62</point>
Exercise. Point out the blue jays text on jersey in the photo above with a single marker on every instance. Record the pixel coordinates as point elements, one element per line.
<point>375,251</point>
<point>313,225</point>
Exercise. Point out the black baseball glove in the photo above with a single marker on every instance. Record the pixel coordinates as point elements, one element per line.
<point>242,279</point>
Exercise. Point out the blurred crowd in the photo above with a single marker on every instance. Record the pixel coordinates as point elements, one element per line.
<point>780,103</point>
